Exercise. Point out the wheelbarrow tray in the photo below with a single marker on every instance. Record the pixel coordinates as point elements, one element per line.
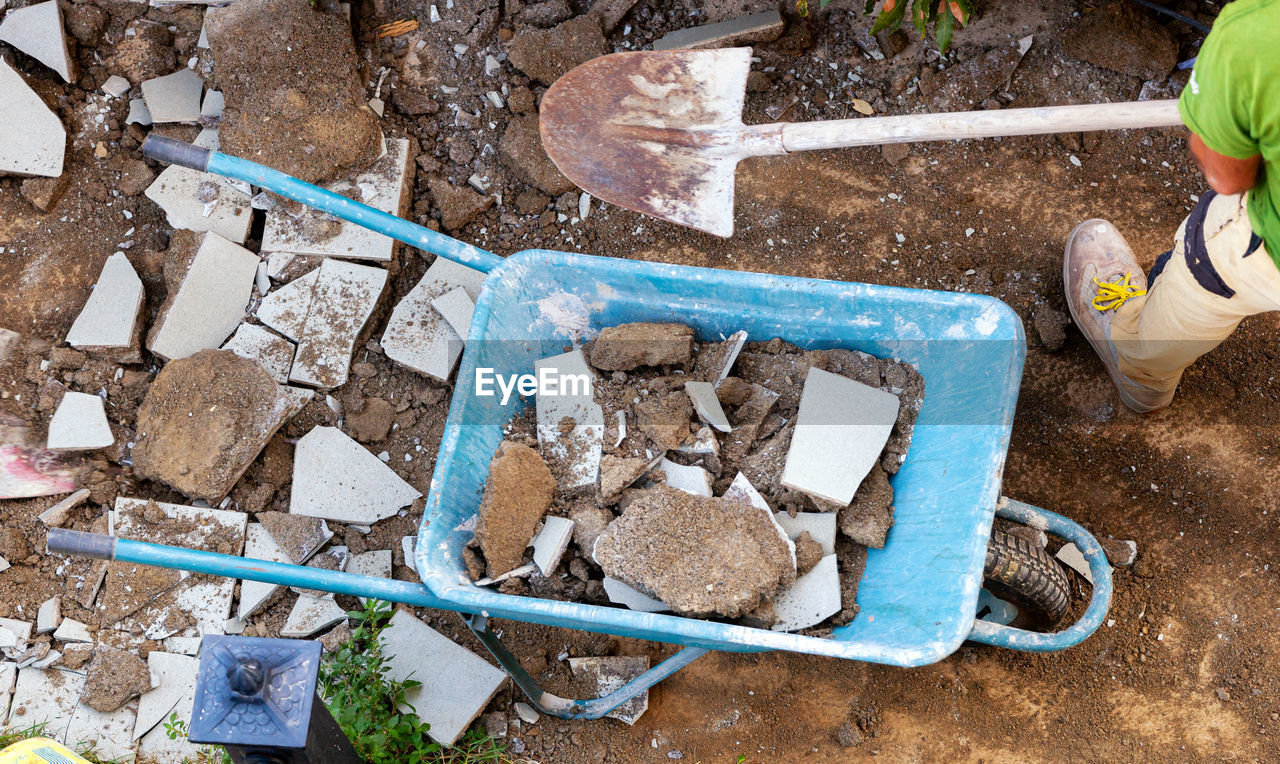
<point>918,594</point>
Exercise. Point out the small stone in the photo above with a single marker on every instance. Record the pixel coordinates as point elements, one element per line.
<point>1119,552</point>
<point>526,713</point>
<point>372,423</point>
<point>1051,326</point>
<point>458,206</point>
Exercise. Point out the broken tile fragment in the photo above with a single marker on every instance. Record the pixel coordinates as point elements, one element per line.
<point>456,306</point>
<point>174,97</point>
<point>550,543</point>
<point>705,402</point>
<point>812,599</point>
<point>204,420</point>
<point>1071,556</point>
<point>115,86</point>
<point>109,319</point>
<point>34,138</point>
<point>198,201</point>
<point>334,558</point>
<point>821,527</point>
<point>385,185</point>
<point>715,360</point>
<point>758,27</point>
<point>417,335</point>
<point>456,683</point>
<point>138,113</point>
<point>298,536</point>
<point>572,451</point>
<point>336,478</point>
<point>46,697</point>
<point>312,614</point>
<point>841,429</point>
<point>49,615</point>
<point>274,352</point>
<point>79,424</point>
<point>342,299</point>
<point>258,545</point>
<point>626,346</point>
<point>108,735</point>
<point>37,30</point>
<point>516,497</point>
<point>621,594</point>
<point>71,630</point>
<point>174,694</point>
<point>699,555</point>
<point>211,107</point>
<point>210,301</point>
<point>285,309</point>
<point>376,564</point>
<point>610,673</point>
<point>693,479</point>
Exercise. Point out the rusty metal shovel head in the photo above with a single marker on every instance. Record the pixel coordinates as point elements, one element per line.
<point>660,133</point>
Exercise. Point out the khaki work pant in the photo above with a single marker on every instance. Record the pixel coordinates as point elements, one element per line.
<point>1217,273</point>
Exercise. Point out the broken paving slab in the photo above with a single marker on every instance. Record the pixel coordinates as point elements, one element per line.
<point>108,735</point>
<point>821,527</point>
<point>79,424</point>
<point>456,684</point>
<point>841,429</point>
<point>715,360</point>
<point>456,306</point>
<point>692,479</point>
<point>298,536</point>
<point>611,673</point>
<point>376,564</point>
<point>204,420</point>
<point>516,497</point>
<point>34,139</point>
<point>198,201</point>
<point>258,545</point>
<point>174,97</point>
<point>701,556</point>
<point>269,349</point>
<point>47,697</point>
<point>109,319</point>
<point>336,478</point>
<point>550,543</point>
<point>707,405</point>
<point>342,300</point>
<point>812,599</point>
<point>417,335</point>
<point>621,594</point>
<point>37,30</point>
<point>285,309</point>
<point>386,185</point>
<point>49,615</point>
<point>176,679</point>
<point>312,614</point>
<point>746,30</point>
<point>209,302</point>
<point>573,453</point>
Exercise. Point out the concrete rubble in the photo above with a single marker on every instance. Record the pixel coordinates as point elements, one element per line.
<point>335,478</point>
<point>209,302</point>
<point>746,30</point>
<point>198,201</point>
<point>385,185</point>
<point>418,335</point>
<point>109,319</point>
<point>516,497</point>
<point>456,683</point>
<point>273,352</point>
<point>79,424</point>
<point>669,545</point>
<point>840,431</point>
<point>298,536</point>
<point>37,31</point>
<point>204,420</point>
<point>113,678</point>
<point>35,140</point>
<point>174,97</point>
<point>342,299</point>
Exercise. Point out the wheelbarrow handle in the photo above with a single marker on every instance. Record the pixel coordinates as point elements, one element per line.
<point>996,634</point>
<point>202,159</point>
<point>100,546</point>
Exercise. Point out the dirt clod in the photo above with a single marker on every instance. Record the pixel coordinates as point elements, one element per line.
<point>516,496</point>
<point>869,516</point>
<point>113,678</point>
<point>546,55</point>
<point>627,346</point>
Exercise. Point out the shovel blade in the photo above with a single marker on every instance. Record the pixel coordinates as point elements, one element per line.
<point>657,132</point>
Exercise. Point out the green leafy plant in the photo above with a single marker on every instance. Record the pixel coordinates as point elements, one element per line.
<point>366,703</point>
<point>175,729</point>
<point>945,15</point>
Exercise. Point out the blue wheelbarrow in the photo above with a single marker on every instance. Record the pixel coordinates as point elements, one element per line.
<point>919,593</point>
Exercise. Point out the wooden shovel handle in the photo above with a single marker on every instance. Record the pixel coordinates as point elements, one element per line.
<point>873,131</point>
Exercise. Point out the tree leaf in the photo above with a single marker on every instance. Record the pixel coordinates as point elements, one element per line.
<point>945,28</point>
<point>890,20</point>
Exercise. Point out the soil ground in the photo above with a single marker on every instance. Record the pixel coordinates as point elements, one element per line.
<point>1183,670</point>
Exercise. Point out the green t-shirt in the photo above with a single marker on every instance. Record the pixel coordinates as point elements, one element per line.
<point>1233,102</point>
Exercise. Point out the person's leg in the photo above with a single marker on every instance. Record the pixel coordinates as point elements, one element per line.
<point>1217,274</point>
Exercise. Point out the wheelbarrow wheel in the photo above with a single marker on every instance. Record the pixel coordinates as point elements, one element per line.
<point>1022,572</point>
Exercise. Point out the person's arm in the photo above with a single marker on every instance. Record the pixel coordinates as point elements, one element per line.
<point>1226,175</point>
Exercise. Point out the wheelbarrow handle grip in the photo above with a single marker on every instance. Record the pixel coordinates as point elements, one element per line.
<point>998,635</point>
<point>172,151</point>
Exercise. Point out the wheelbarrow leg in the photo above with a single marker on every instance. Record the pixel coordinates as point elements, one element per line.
<point>567,708</point>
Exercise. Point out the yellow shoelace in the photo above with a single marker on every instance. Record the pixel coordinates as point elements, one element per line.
<point>1112,294</point>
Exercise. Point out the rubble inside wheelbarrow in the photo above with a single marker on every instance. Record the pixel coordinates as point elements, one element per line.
<point>734,480</point>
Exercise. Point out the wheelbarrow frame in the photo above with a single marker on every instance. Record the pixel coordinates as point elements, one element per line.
<point>477,616</point>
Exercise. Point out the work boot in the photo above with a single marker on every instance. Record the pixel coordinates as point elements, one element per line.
<point>1099,274</point>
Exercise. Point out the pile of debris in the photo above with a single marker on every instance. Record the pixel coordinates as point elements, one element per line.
<point>664,460</point>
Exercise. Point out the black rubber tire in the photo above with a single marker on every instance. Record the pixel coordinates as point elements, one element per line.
<point>1021,572</point>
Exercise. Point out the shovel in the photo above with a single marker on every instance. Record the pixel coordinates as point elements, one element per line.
<point>661,132</point>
